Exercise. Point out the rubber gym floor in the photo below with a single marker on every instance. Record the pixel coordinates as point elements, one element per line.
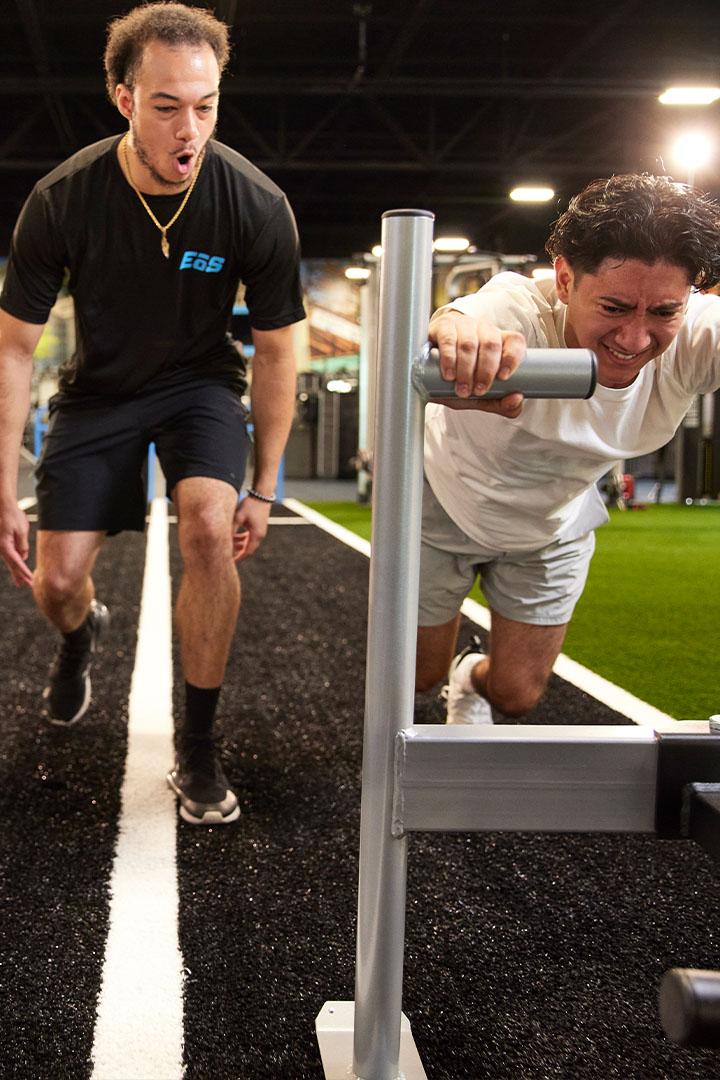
<point>528,956</point>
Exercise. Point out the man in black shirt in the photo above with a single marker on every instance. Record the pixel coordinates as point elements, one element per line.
<point>156,229</point>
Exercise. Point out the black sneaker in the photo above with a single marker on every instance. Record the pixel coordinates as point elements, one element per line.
<point>201,785</point>
<point>68,695</point>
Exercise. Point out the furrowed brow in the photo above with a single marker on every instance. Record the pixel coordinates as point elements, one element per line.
<point>668,305</point>
<point>663,305</point>
<point>617,303</point>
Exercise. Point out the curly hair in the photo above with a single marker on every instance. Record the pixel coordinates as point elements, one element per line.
<point>650,218</point>
<point>171,23</point>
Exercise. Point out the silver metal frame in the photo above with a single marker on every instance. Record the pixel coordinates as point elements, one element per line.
<point>525,778</point>
<point>405,280</point>
<point>433,777</point>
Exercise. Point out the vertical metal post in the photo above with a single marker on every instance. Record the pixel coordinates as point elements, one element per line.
<point>366,376</point>
<point>405,283</point>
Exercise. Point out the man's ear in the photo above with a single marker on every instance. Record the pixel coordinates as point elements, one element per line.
<point>124,100</point>
<point>564,278</point>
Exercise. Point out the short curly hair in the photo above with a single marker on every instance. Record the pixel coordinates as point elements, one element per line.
<point>638,216</point>
<point>171,23</point>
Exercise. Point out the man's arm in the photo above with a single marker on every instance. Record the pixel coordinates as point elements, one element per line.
<point>17,344</point>
<point>473,352</point>
<point>273,405</point>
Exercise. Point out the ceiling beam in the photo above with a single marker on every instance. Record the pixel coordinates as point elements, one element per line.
<point>55,106</point>
<point>390,87</point>
<point>409,28</point>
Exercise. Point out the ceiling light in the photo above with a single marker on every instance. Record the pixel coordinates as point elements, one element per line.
<point>692,150</point>
<point>376,250</point>
<point>532,194</point>
<point>689,95</point>
<point>357,273</point>
<point>451,244</point>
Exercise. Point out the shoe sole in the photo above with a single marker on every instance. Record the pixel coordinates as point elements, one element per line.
<point>56,722</point>
<point>210,817</point>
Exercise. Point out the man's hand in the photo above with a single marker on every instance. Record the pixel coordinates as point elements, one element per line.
<point>473,353</point>
<point>250,527</point>
<point>14,545</point>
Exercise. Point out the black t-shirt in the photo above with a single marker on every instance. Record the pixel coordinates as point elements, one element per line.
<point>138,315</point>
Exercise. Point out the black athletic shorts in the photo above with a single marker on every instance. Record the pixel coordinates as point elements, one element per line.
<point>92,470</point>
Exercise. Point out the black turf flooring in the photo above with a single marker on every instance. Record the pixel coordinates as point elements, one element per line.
<point>59,806</point>
<point>528,957</point>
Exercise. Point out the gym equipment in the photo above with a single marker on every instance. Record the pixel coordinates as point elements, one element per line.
<point>436,777</point>
<point>688,998</point>
<point>689,1002</point>
<point>544,373</point>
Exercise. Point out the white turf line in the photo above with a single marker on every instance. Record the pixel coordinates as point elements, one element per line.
<point>139,1025</point>
<point>328,526</point>
<point>640,712</point>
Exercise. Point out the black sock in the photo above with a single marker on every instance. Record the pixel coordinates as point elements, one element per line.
<point>80,636</point>
<point>200,706</point>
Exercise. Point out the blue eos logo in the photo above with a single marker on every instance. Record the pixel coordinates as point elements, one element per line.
<point>198,260</point>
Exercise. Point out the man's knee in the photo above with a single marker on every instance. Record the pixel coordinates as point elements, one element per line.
<point>57,584</point>
<point>521,660</point>
<point>515,700</point>
<point>205,533</point>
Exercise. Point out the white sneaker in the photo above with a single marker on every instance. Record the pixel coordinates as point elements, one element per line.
<point>465,705</point>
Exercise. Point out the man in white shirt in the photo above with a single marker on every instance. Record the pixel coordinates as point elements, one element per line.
<point>510,485</point>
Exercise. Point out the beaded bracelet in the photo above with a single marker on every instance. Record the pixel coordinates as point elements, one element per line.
<point>262,498</point>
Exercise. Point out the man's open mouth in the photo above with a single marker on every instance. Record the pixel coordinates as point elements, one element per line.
<point>184,162</point>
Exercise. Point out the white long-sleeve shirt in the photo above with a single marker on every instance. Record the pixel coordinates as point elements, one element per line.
<point>519,484</point>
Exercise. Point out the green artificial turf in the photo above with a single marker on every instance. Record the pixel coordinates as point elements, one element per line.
<point>352,516</point>
<point>649,619</point>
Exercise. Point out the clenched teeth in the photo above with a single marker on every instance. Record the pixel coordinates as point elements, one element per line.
<point>622,355</point>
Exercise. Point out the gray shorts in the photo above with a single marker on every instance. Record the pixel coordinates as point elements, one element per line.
<point>540,587</point>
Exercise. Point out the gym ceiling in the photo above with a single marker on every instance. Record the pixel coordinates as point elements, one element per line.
<point>355,108</point>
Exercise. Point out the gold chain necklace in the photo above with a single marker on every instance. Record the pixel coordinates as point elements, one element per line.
<point>164,243</point>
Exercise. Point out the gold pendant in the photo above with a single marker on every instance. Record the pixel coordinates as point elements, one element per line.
<point>165,246</point>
